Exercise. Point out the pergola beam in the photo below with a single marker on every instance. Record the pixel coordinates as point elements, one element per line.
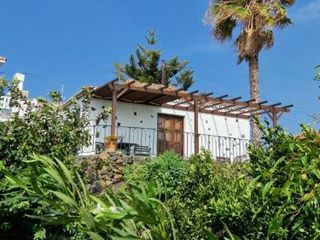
<point>191,109</point>
<point>275,104</point>
<point>262,102</point>
<point>208,94</point>
<point>240,108</point>
<point>127,93</point>
<point>147,85</point>
<point>163,88</point>
<point>213,99</point>
<point>183,101</point>
<point>202,107</point>
<point>253,109</point>
<point>288,106</point>
<point>236,109</point>
<point>120,94</point>
<point>228,106</point>
<point>156,98</point>
<point>215,103</point>
<point>193,92</point>
<point>179,90</point>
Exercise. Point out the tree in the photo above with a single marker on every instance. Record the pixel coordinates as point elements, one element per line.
<point>317,77</point>
<point>255,20</point>
<point>146,66</point>
<point>43,127</point>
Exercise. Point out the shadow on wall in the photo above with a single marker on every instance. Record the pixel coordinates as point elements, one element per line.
<point>227,127</point>
<point>216,129</point>
<point>241,134</point>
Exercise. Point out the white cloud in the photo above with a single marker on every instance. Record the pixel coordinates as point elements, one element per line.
<point>310,11</point>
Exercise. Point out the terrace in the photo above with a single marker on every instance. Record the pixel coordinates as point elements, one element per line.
<point>145,142</point>
<point>133,140</point>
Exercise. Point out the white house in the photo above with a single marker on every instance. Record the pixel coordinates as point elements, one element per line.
<point>151,118</point>
<point>5,109</point>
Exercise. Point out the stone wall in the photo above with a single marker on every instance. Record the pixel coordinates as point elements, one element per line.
<point>101,171</point>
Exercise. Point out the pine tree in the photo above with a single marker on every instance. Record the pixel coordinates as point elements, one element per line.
<point>146,66</point>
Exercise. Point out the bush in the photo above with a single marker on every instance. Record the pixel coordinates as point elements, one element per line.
<point>201,195</point>
<point>63,200</point>
<point>285,200</point>
<point>211,196</point>
<point>274,196</point>
<point>163,173</point>
<point>44,128</point>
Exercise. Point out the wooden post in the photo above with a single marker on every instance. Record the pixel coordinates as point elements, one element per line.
<point>274,119</point>
<point>196,126</point>
<point>114,111</point>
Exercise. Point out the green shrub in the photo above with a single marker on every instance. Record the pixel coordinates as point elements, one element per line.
<point>46,128</point>
<point>163,173</point>
<point>286,172</point>
<point>211,195</point>
<point>274,196</point>
<point>64,201</point>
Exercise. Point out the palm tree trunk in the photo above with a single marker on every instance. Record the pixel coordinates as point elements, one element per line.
<point>254,94</point>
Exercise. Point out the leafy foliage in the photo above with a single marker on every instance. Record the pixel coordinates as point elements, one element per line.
<point>256,21</point>
<point>274,196</point>
<point>62,201</point>
<point>163,173</point>
<point>317,77</point>
<point>146,66</point>
<point>255,18</point>
<point>207,199</point>
<point>43,127</point>
<point>287,176</point>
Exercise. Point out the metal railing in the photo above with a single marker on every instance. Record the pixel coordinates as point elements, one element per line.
<point>5,111</point>
<point>222,148</point>
<point>131,139</point>
<point>5,102</point>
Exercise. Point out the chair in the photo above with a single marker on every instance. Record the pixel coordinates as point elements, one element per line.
<point>100,147</point>
<point>142,150</point>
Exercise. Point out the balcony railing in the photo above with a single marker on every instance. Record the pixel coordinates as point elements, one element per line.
<point>5,111</point>
<point>4,102</point>
<point>144,141</point>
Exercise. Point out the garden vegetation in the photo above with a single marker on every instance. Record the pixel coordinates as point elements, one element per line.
<point>274,196</point>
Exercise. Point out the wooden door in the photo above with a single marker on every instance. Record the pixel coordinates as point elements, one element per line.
<point>170,133</point>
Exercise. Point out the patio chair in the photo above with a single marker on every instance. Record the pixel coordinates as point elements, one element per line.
<point>100,147</point>
<point>142,150</point>
<point>223,159</point>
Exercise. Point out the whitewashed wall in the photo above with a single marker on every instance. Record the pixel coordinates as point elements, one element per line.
<point>145,116</point>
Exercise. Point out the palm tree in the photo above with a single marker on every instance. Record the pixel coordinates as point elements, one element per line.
<point>254,21</point>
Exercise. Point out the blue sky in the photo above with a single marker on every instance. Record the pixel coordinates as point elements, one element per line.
<point>76,43</point>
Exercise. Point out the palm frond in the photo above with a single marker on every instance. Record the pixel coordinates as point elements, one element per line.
<point>257,19</point>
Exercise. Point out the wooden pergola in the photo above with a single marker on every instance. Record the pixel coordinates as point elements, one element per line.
<point>176,98</point>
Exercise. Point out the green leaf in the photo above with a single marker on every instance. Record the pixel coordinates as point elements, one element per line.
<point>66,199</point>
<point>95,236</point>
<point>210,235</point>
<point>266,189</point>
